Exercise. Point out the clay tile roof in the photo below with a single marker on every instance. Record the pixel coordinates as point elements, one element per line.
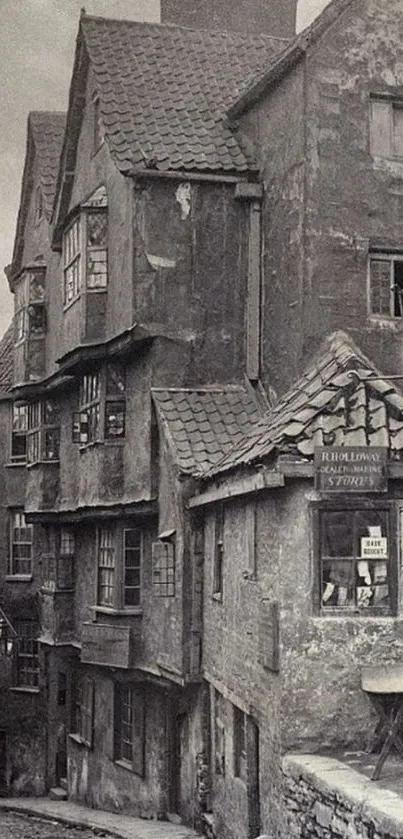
<point>48,132</point>
<point>340,400</point>
<point>202,425</point>
<point>164,91</point>
<point>6,361</point>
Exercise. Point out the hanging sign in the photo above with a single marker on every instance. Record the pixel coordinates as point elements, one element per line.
<point>351,469</point>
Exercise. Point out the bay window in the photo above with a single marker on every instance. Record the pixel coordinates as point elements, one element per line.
<point>19,434</point>
<point>102,406</point>
<point>43,434</point>
<point>21,545</point>
<point>85,249</point>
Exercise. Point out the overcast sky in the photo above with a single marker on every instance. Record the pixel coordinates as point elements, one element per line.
<point>37,39</point>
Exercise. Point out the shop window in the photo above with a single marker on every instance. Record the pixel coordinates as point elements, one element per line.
<point>130,728</point>
<point>21,545</point>
<point>218,558</point>
<point>43,436</point>
<point>19,434</point>
<point>386,285</point>
<point>83,710</point>
<point>219,733</point>
<point>85,252</point>
<point>239,740</point>
<point>102,413</point>
<point>27,654</point>
<point>163,565</point>
<point>119,567</point>
<point>386,127</point>
<point>357,563</point>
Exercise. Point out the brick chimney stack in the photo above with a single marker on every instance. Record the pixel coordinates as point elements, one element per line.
<point>272,17</point>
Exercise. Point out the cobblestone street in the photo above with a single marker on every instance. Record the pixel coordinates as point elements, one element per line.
<point>24,826</point>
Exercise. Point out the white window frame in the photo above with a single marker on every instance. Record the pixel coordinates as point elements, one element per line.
<point>391,259</point>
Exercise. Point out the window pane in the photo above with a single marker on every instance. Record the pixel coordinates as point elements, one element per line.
<point>338,583</point>
<point>337,533</point>
<point>115,420</point>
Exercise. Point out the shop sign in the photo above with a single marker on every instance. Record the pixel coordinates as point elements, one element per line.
<point>351,469</point>
<point>374,547</point>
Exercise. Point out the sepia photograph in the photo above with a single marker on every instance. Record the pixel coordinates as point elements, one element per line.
<point>201,419</point>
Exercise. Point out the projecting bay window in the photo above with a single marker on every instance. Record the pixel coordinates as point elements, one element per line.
<point>43,435</point>
<point>19,434</point>
<point>102,413</point>
<point>21,545</point>
<point>130,719</point>
<point>357,560</point>
<point>29,304</point>
<point>120,555</point>
<point>85,249</point>
<point>385,278</point>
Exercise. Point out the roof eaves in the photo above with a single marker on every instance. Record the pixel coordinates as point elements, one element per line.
<point>289,57</point>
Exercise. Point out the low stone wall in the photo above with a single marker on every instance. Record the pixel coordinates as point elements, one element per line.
<point>325,799</point>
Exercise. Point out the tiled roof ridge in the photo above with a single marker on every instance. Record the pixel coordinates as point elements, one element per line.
<point>308,394</point>
<point>159,25</point>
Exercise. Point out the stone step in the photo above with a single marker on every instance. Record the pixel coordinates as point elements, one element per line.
<point>58,794</point>
<point>63,783</point>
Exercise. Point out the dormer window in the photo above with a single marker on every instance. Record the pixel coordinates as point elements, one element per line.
<point>98,136</point>
<point>85,249</point>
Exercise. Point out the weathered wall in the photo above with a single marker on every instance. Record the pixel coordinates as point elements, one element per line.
<point>276,126</point>
<point>36,233</point>
<point>315,702</point>
<point>353,200</point>
<point>326,798</point>
<point>274,17</point>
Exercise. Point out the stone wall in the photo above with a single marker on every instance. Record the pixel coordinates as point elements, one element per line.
<point>325,799</point>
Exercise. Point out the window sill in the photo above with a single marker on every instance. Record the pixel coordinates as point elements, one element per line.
<point>14,463</point>
<point>42,463</point>
<point>25,689</point>
<point>19,578</point>
<point>385,321</point>
<point>71,303</point>
<point>126,765</point>
<point>92,445</point>
<point>217,596</point>
<point>106,610</point>
<point>76,738</point>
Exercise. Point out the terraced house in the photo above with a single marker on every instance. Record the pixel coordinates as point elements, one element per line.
<point>193,236</point>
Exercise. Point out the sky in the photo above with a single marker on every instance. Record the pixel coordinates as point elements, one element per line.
<point>37,40</point>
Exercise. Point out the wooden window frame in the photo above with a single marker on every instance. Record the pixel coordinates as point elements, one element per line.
<point>395,292</point>
<point>72,261</point>
<point>130,728</point>
<point>19,428</point>
<point>39,205</point>
<point>13,560</point>
<point>357,505</point>
<point>42,428</point>
<point>163,568</point>
<point>26,647</point>
<point>120,571</point>
<point>79,254</point>
<point>97,419</point>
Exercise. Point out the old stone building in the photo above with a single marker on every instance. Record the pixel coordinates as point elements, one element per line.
<point>219,206</point>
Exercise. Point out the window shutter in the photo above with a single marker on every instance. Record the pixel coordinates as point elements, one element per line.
<point>381,129</point>
<point>80,427</point>
<point>139,733</point>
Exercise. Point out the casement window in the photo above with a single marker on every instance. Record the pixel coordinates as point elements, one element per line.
<point>27,654</point>
<point>130,727</point>
<point>19,434</point>
<point>102,414</point>
<point>120,555</point>
<point>43,435</point>
<point>83,710</point>
<point>21,545</point>
<point>386,127</point>
<point>85,251</point>
<point>386,285</point>
<point>218,557</point>
<point>29,305</point>
<point>219,732</point>
<point>239,741</point>
<point>58,563</point>
<point>357,559</point>
<point>39,206</point>
<point>163,568</point>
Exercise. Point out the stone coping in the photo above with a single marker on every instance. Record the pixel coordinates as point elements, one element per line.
<point>363,797</point>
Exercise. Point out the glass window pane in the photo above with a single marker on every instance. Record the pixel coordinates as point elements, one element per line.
<point>338,533</point>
